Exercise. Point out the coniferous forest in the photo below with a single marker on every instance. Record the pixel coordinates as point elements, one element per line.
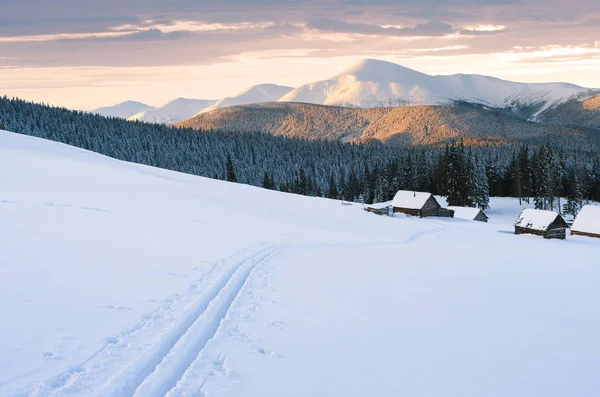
<point>467,175</point>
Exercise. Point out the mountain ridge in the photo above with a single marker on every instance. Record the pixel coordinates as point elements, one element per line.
<point>412,125</point>
<point>374,83</point>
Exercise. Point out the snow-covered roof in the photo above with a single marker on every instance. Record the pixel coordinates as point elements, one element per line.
<point>537,219</point>
<point>378,206</point>
<point>588,220</point>
<point>466,212</point>
<point>411,200</point>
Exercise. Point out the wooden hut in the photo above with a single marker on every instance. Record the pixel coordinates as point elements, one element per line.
<point>379,209</point>
<point>470,214</point>
<point>419,204</point>
<point>547,224</point>
<point>587,222</point>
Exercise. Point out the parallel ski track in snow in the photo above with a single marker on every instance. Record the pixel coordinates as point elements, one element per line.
<point>159,369</point>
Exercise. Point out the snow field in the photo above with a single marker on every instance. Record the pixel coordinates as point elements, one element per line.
<point>119,279</point>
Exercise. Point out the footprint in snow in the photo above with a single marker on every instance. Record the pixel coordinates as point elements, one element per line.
<point>180,275</point>
<point>51,356</point>
<point>116,307</point>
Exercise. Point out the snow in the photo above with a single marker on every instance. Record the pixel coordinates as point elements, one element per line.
<point>175,111</point>
<point>119,279</point>
<point>465,212</point>
<point>410,199</point>
<point>255,94</point>
<point>374,83</point>
<point>588,220</point>
<point>536,219</point>
<point>122,110</point>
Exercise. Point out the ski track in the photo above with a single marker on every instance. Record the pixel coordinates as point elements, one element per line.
<point>159,369</point>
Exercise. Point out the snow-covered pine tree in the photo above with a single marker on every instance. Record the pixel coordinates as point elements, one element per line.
<point>230,170</point>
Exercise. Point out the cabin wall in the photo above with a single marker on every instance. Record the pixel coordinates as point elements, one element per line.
<point>524,230</point>
<point>445,213</point>
<point>481,217</point>
<point>576,233</point>
<point>408,211</point>
<point>557,233</point>
<point>431,205</point>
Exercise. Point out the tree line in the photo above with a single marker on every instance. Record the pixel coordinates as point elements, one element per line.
<point>373,172</point>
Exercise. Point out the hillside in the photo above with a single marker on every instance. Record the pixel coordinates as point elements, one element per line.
<point>413,125</point>
<point>581,113</point>
<point>144,282</point>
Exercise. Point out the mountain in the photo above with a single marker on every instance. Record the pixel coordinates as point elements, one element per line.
<point>175,111</point>
<point>255,94</point>
<point>411,125</point>
<point>122,110</point>
<point>373,83</point>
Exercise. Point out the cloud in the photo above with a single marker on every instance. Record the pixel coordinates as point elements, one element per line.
<point>432,28</point>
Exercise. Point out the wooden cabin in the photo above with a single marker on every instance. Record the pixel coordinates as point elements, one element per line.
<point>547,224</point>
<point>587,222</point>
<point>419,204</point>
<point>379,209</point>
<point>470,214</point>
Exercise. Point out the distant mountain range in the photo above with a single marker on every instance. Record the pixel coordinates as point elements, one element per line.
<point>122,110</point>
<point>182,109</point>
<point>175,111</point>
<point>255,94</point>
<point>372,83</point>
<point>388,102</point>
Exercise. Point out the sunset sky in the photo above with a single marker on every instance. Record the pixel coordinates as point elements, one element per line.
<point>84,54</point>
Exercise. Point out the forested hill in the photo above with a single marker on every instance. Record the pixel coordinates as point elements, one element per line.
<point>369,172</point>
<point>411,125</point>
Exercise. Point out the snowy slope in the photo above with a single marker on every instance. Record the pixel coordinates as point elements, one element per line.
<point>119,279</point>
<point>173,112</point>
<point>255,94</point>
<point>122,110</point>
<point>374,83</point>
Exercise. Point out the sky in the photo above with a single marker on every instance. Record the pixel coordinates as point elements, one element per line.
<point>84,54</point>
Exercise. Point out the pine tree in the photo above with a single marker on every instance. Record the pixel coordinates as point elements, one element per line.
<point>333,191</point>
<point>230,170</point>
<point>525,173</point>
<point>575,197</point>
<point>268,183</point>
<point>482,188</point>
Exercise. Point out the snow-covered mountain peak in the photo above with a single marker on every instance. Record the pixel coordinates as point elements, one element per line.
<point>173,112</point>
<point>255,94</point>
<point>375,83</point>
<point>375,70</point>
<point>122,110</point>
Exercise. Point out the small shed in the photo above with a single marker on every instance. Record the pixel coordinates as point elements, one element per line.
<point>587,222</point>
<point>379,209</point>
<point>419,204</point>
<point>547,224</point>
<point>470,214</point>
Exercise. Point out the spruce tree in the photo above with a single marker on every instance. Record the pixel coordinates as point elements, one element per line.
<point>333,191</point>
<point>230,170</point>
<point>482,187</point>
